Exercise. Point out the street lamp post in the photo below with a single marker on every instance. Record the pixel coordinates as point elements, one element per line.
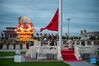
<point>68,26</point>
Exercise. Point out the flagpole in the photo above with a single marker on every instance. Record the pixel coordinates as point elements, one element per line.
<point>60,30</point>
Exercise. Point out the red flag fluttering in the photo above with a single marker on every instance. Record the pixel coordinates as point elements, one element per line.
<point>53,25</point>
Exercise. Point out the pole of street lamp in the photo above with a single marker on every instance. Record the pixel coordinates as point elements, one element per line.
<point>68,26</point>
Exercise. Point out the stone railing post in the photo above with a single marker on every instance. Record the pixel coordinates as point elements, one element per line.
<point>92,43</point>
<point>75,42</point>
<point>80,43</point>
<point>86,43</point>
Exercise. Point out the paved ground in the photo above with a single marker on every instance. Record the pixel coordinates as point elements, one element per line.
<point>82,63</point>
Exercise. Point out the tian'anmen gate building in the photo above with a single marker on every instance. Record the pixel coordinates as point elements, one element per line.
<point>9,33</point>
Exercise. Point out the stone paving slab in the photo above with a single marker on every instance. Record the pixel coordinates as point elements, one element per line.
<point>82,63</point>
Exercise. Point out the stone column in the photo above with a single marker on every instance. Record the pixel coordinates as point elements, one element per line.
<point>92,43</point>
<point>17,46</point>
<point>24,46</point>
<point>48,43</point>
<point>86,43</point>
<point>11,46</point>
<point>4,46</point>
<point>80,43</point>
<point>75,43</point>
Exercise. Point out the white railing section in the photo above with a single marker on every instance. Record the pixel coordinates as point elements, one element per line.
<point>32,49</point>
<point>77,53</point>
<point>86,47</point>
<point>48,49</point>
<point>42,50</point>
<point>89,47</point>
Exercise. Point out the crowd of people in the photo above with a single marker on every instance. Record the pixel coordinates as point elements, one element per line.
<point>46,39</point>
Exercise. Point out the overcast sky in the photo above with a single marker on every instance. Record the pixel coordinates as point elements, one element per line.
<point>84,14</point>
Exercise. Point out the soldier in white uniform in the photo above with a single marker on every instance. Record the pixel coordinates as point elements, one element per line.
<point>70,44</point>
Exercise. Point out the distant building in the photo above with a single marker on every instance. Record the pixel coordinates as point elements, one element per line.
<point>93,33</point>
<point>86,35</point>
<point>9,33</point>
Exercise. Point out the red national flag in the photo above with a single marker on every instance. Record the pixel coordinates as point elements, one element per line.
<point>53,25</point>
